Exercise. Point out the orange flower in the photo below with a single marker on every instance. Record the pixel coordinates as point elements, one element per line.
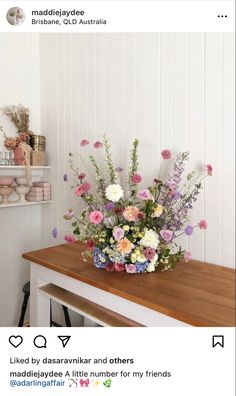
<point>125,246</point>
<point>131,213</point>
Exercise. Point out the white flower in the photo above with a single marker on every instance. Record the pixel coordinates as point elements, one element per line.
<point>153,264</point>
<point>150,239</point>
<point>151,267</point>
<point>114,192</point>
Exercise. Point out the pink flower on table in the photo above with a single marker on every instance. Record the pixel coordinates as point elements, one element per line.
<point>96,217</point>
<point>90,244</point>
<point>83,189</point>
<point>118,233</point>
<point>84,142</point>
<point>119,267</point>
<point>70,238</point>
<point>209,169</point>
<point>81,176</point>
<point>149,253</point>
<point>136,178</point>
<point>166,154</point>
<point>187,256</point>
<point>130,268</point>
<point>145,195</point>
<point>131,213</point>
<point>167,235</point>
<point>202,224</point>
<point>98,145</point>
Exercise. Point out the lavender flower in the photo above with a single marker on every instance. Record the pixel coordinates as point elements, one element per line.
<point>188,230</point>
<point>65,177</point>
<point>54,232</point>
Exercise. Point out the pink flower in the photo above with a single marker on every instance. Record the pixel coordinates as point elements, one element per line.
<point>149,253</point>
<point>202,224</point>
<point>84,142</point>
<point>97,145</point>
<point>136,178</point>
<point>69,214</point>
<point>119,267</point>
<point>90,244</point>
<point>130,268</point>
<point>83,189</point>
<point>96,217</point>
<point>131,213</point>
<point>167,235</point>
<point>166,154</point>
<point>187,256</point>
<point>81,176</point>
<point>70,238</point>
<point>118,233</point>
<point>145,195</point>
<point>209,169</point>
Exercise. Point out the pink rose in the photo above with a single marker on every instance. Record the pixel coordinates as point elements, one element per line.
<point>209,169</point>
<point>202,224</point>
<point>96,217</point>
<point>145,195</point>
<point>84,142</point>
<point>81,176</point>
<point>136,178</point>
<point>118,233</point>
<point>82,189</point>
<point>187,256</point>
<point>70,238</point>
<point>119,267</point>
<point>166,154</point>
<point>90,244</point>
<point>97,145</point>
<point>167,235</point>
<point>130,268</point>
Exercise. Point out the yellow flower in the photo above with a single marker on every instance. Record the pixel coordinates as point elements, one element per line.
<point>126,228</point>
<point>133,258</point>
<point>124,246</point>
<point>158,211</point>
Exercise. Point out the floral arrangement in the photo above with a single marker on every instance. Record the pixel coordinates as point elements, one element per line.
<point>133,229</point>
<point>12,143</point>
<point>19,116</point>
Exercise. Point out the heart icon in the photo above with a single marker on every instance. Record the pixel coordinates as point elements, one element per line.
<point>15,341</point>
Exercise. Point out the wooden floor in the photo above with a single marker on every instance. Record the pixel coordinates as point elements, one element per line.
<point>197,293</point>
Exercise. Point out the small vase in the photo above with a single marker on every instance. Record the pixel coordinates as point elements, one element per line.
<point>18,156</point>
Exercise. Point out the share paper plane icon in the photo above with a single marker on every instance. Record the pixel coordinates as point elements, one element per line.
<point>64,340</point>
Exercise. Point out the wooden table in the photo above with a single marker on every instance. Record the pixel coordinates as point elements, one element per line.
<point>195,293</point>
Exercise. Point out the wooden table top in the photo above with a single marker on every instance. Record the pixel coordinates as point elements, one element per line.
<point>196,293</point>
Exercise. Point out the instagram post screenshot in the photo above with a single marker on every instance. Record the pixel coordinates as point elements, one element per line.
<point>117,197</point>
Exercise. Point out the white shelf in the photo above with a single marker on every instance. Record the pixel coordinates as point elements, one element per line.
<point>14,204</point>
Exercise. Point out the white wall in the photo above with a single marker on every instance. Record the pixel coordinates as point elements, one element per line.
<point>170,90</point>
<point>20,228</point>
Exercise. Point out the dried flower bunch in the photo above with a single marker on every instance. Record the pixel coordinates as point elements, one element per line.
<point>137,231</point>
<point>19,116</point>
<point>12,143</point>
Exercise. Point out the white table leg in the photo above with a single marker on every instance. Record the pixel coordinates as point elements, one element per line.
<point>39,303</point>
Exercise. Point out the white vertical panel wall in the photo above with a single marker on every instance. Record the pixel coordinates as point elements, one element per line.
<point>171,91</point>
<point>20,228</point>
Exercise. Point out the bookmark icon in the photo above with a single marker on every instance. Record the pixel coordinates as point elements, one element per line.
<point>64,340</point>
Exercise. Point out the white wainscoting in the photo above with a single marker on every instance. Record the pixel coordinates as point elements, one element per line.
<point>170,90</point>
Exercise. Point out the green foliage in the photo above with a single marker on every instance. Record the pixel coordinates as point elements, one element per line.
<point>110,165</point>
<point>107,383</point>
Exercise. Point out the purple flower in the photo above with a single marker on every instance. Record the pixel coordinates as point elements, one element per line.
<point>65,177</point>
<point>188,230</point>
<point>167,235</point>
<point>119,169</point>
<point>54,232</point>
<point>177,195</point>
<point>110,205</point>
<point>118,233</point>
